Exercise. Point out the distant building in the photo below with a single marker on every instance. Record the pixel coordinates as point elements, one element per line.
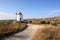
<point>19,16</point>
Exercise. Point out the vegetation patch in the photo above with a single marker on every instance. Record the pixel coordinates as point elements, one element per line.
<point>52,21</point>
<point>47,33</point>
<point>7,27</point>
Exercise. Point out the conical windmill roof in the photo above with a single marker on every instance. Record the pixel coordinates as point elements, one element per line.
<point>19,13</point>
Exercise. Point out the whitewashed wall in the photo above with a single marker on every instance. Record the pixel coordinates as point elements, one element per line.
<point>19,16</point>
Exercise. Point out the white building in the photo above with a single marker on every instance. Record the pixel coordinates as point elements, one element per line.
<point>19,16</point>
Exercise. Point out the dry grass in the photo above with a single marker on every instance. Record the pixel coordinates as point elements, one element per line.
<point>12,27</point>
<point>52,21</point>
<point>47,33</point>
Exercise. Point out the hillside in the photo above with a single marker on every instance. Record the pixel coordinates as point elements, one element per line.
<point>8,27</point>
<point>53,21</point>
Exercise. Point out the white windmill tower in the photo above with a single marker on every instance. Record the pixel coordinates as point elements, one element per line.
<point>19,16</point>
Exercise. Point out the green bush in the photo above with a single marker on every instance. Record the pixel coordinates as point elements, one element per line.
<point>55,24</point>
<point>30,21</point>
<point>43,22</point>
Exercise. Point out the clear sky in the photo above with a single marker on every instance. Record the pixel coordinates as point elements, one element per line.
<point>29,8</point>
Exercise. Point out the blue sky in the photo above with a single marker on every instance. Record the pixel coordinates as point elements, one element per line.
<point>29,8</point>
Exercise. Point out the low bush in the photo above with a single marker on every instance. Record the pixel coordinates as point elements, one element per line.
<point>43,22</point>
<point>53,23</point>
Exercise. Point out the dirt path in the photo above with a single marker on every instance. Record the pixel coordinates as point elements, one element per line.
<point>27,34</point>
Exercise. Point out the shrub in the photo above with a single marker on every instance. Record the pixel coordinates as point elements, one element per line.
<point>30,21</point>
<point>48,22</point>
<point>43,22</point>
<point>53,23</point>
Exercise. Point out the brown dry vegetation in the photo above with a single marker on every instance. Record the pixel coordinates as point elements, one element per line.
<point>47,33</point>
<point>11,27</point>
<point>52,21</point>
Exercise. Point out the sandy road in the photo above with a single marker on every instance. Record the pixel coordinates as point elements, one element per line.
<point>27,34</point>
